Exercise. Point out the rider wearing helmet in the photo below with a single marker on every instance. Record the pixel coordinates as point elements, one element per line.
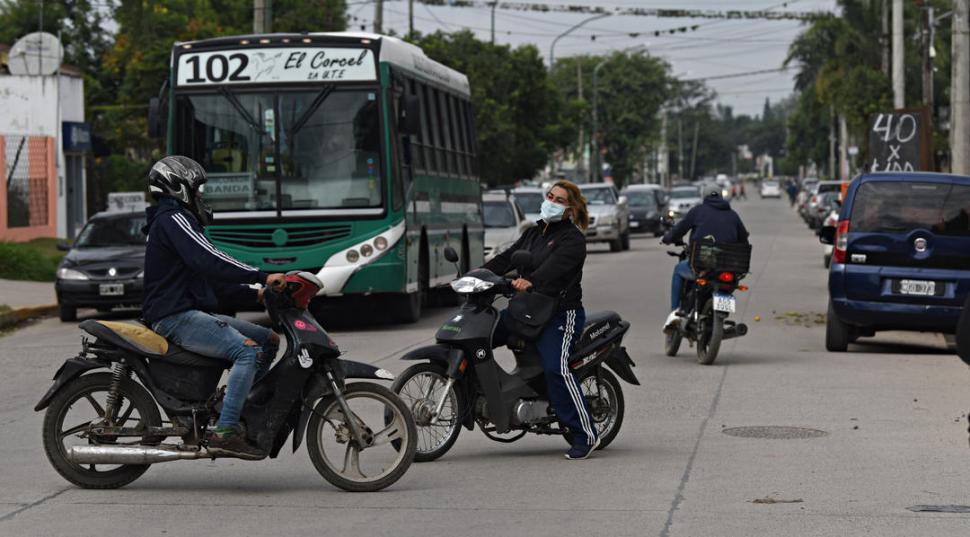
<point>712,218</point>
<point>188,279</point>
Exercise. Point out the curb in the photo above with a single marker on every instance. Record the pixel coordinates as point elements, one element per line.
<point>22,314</point>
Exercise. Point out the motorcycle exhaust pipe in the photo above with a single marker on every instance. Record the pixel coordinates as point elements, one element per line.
<point>737,330</point>
<point>130,454</point>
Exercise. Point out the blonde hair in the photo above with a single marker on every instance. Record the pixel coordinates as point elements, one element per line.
<point>577,202</point>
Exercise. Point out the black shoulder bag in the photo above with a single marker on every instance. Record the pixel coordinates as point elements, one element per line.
<point>529,313</point>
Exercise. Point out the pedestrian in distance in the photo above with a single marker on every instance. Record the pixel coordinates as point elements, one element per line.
<point>558,247</point>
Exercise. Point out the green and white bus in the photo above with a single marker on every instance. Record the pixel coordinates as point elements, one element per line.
<point>349,155</point>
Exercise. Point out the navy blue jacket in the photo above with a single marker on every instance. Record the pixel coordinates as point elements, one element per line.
<point>713,218</point>
<point>184,271</point>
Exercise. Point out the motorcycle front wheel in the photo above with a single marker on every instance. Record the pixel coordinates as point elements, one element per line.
<point>382,420</point>
<point>421,387</point>
<point>672,342</point>
<point>710,329</point>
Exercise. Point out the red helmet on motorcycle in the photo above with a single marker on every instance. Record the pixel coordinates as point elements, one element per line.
<point>302,287</point>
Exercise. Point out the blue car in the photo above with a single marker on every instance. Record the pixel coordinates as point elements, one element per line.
<point>901,257</point>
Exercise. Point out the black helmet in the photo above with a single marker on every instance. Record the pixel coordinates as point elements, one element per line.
<point>180,178</point>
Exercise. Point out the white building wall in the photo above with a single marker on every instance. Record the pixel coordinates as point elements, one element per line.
<point>29,105</point>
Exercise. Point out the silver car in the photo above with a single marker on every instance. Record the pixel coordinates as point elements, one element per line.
<point>683,199</point>
<point>504,222</point>
<point>609,216</point>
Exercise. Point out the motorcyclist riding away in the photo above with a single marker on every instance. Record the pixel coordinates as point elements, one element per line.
<point>712,218</point>
<point>188,279</point>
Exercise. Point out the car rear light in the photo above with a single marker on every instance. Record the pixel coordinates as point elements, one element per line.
<point>841,242</point>
<point>726,277</point>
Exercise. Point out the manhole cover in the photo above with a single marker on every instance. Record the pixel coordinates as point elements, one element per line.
<point>773,432</point>
<point>940,508</point>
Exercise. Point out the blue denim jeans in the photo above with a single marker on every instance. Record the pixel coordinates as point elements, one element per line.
<point>682,273</point>
<point>221,336</point>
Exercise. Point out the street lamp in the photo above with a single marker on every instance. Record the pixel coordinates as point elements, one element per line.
<point>552,47</point>
<point>596,94</point>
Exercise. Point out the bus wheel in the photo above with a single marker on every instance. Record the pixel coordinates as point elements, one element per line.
<point>406,307</point>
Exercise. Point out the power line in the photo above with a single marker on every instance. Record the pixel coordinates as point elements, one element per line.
<point>739,75</point>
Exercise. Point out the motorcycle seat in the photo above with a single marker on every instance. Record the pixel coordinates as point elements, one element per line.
<point>139,339</point>
<point>598,317</point>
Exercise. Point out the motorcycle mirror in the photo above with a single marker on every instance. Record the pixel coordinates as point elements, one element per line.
<point>522,260</point>
<point>451,255</point>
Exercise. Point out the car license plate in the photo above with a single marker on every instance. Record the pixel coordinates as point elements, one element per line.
<point>634,223</point>
<point>917,287</point>
<point>723,303</point>
<point>111,289</point>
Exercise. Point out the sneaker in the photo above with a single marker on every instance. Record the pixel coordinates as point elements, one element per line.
<point>582,451</point>
<point>231,442</point>
<point>673,322</point>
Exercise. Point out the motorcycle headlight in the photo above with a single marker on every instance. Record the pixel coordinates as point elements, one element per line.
<point>70,274</point>
<point>671,213</point>
<point>470,284</point>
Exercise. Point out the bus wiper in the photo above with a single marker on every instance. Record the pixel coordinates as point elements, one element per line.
<point>305,116</point>
<point>234,101</point>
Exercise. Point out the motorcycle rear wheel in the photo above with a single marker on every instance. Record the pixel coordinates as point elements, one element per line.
<point>606,404</point>
<point>420,388</point>
<point>710,329</point>
<point>325,444</point>
<point>83,391</point>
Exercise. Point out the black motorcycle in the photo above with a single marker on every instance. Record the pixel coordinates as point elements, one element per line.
<point>103,430</point>
<point>461,384</point>
<point>709,299</point>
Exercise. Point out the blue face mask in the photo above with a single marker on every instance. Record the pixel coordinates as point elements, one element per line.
<point>551,212</point>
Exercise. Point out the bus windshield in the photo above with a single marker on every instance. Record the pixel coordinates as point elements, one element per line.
<point>284,150</point>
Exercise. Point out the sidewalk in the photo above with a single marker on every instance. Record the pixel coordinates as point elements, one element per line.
<point>27,299</point>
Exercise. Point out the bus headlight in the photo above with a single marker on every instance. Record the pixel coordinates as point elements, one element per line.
<point>380,243</point>
<point>352,256</point>
<point>366,250</point>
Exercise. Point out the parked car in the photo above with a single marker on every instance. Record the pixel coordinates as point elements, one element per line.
<point>831,220</point>
<point>820,206</point>
<point>728,188</point>
<point>530,199</point>
<point>504,222</point>
<point>647,208</point>
<point>104,267</point>
<point>812,198</point>
<point>609,216</point>
<point>770,189</point>
<point>683,199</point>
<point>901,258</point>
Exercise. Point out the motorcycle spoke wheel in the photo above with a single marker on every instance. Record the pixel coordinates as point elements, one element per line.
<point>372,462</point>
<point>604,396</point>
<point>710,328</point>
<point>421,387</point>
<point>78,409</point>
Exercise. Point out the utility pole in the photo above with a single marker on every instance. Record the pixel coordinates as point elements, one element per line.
<point>927,39</point>
<point>960,90</point>
<point>411,19</point>
<point>580,147</point>
<point>494,5</point>
<point>379,16</point>
<point>832,169</point>
<point>843,149</point>
<point>884,39</point>
<point>899,66</point>
<point>693,151</point>
<point>262,16</point>
<point>680,144</point>
<point>663,154</point>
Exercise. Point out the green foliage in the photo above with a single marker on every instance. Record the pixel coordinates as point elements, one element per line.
<point>516,107</point>
<point>35,260</point>
<point>630,89</point>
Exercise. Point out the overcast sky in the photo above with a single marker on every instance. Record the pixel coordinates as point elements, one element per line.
<point>717,47</point>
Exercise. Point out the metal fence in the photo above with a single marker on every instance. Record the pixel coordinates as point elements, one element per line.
<point>26,177</point>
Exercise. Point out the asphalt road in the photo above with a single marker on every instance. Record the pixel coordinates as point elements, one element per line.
<point>892,410</point>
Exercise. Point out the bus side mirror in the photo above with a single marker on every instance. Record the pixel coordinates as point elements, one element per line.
<point>154,118</point>
<point>409,115</point>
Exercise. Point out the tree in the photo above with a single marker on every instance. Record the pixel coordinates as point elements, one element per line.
<point>517,110</point>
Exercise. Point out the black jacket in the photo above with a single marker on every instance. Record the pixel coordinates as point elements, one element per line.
<point>184,271</point>
<point>713,218</point>
<point>558,254</point>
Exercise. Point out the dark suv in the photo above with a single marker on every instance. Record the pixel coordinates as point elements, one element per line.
<point>901,258</point>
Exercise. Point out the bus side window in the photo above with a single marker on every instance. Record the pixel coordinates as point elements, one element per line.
<point>446,131</point>
<point>417,140</point>
<point>460,137</point>
<point>469,116</point>
<point>436,162</point>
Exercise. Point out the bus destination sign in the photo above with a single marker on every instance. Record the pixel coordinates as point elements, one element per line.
<point>269,65</point>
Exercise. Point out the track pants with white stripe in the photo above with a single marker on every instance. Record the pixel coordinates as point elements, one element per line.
<point>555,344</point>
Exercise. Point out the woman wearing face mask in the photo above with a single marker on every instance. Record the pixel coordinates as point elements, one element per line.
<point>558,247</point>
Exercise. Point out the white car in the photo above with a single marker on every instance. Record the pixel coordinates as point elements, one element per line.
<point>770,189</point>
<point>530,199</point>
<point>504,222</point>
<point>682,199</point>
<point>609,216</point>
